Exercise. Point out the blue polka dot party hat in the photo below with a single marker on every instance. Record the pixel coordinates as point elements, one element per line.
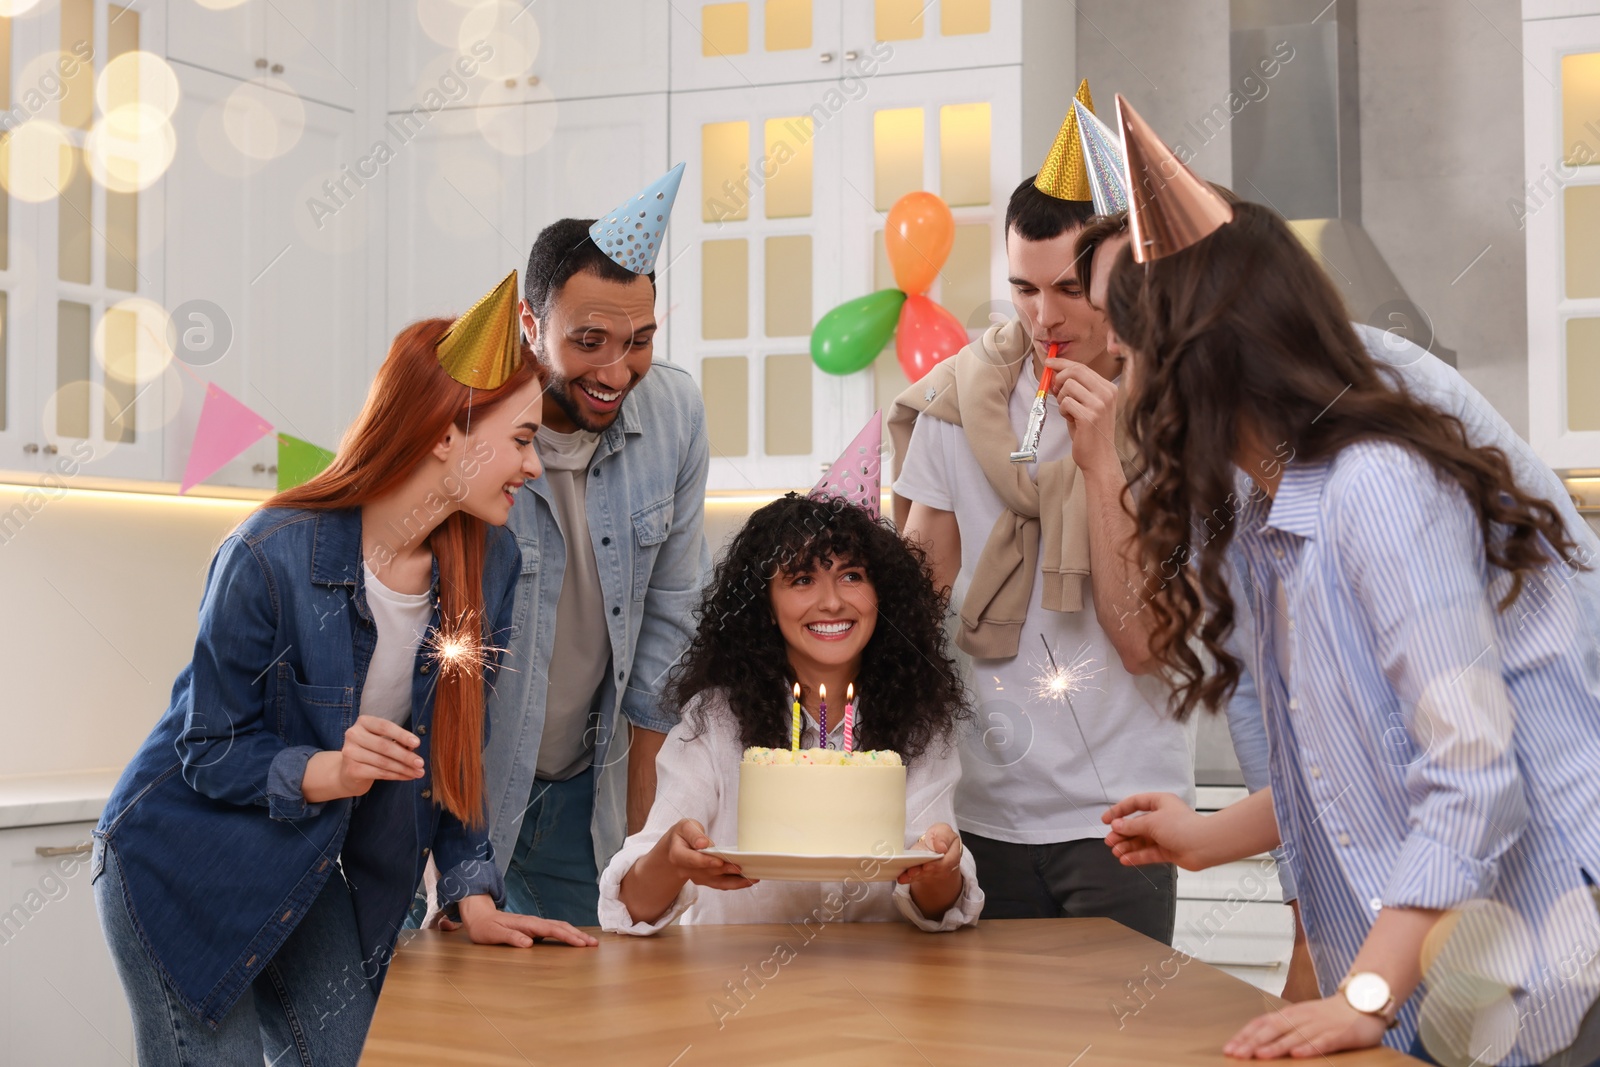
<point>632,235</point>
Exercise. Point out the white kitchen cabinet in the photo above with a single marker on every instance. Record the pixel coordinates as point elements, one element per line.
<point>1232,916</point>
<point>310,47</point>
<point>60,1000</point>
<point>270,243</point>
<point>752,271</point>
<point>525,53</point>
<point>455,218</point>
<point>720,45</point>
<point>1560,210</point>
<point>938,34</point>
<point>470,193</point>
<point>75,251</point>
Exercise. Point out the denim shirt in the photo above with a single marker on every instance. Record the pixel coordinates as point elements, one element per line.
<point>646,510</point>
<point>221,854</point>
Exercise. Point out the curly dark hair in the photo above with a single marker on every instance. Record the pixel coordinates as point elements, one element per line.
<point>913,690</point>
<point>1243,331</point>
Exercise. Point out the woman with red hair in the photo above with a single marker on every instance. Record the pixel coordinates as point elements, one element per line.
<point>256,862</point>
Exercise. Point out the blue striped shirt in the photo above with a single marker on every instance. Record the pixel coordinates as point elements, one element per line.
<point>1428,750</point>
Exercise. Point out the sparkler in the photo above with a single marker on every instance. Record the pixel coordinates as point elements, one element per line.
<point>461,648</point>
<point>1059,683</point>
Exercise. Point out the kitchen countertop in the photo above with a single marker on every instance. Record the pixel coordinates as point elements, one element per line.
<point>65,796</point>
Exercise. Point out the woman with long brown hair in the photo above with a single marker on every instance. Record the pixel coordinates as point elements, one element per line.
<point>1431,694</point>
<point>256,862</point>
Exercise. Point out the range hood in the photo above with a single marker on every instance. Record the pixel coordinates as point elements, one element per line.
<point>1297,148</point>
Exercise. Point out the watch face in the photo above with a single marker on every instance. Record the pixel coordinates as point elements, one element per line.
<point>1367,992</point>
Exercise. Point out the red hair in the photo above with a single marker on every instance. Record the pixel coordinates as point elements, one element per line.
<point>410,406</point>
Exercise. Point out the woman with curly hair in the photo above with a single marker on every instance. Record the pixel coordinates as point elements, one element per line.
<point>815,593</point>
<point>1430,690</point>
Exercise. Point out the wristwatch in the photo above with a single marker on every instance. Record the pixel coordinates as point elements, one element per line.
<point>1368,993</point>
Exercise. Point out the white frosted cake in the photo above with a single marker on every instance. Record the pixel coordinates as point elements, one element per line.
<point>822,802</point>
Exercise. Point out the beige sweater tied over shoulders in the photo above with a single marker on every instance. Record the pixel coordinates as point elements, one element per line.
<point>1045,524</point>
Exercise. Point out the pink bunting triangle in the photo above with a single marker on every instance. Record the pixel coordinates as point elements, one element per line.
<point>226,429</point>
<point>855,475</point>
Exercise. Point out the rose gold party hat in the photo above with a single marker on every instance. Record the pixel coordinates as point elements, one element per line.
<point>482,348</point>
<point>1063,174</point>
<point>1169,208</point>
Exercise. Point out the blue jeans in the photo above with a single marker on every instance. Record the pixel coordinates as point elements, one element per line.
<point>310,1007</point>
<point>552,873</point>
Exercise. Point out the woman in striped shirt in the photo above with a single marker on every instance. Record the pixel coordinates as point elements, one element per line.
<point>1431,693</point>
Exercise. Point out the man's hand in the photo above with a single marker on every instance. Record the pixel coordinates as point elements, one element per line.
<point>374,750</point>
<point>1089,403</point>
<point>488,925</point>
<point>642,748</point>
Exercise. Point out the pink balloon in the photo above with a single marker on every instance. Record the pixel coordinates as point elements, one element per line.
<point>927,333</point>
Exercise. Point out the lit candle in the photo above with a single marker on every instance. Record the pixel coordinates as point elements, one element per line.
<point>794,733</point>
<point>822,715</point>
<point>850,717</point>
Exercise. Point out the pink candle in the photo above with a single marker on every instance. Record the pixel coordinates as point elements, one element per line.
<point>850,717</point>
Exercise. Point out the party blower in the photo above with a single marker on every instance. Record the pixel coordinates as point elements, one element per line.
<point>1029,452</point>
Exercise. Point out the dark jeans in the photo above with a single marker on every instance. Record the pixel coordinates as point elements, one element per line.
<point>1074,879</point>
<point>552,872</point>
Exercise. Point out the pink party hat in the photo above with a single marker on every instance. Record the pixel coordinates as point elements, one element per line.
<point>855,475</point>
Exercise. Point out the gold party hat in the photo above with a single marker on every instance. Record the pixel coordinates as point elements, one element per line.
<point>1063,174</point>
<point>483,348</point>
<point>1169,208</point>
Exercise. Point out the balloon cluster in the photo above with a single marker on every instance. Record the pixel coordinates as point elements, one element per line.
<point>918,238</point>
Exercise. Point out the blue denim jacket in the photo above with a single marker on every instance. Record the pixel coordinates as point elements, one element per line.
<point>220,853</point>
<point>646,508</point>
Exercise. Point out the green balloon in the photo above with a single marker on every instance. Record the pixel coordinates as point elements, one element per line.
<point>849,337</point>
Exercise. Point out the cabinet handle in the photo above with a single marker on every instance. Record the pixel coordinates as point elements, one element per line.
<point>51,450</point>
<point>82,849</point>
<point>533,79</point>
<point>277,68</point>
<point>262,468</point>
<point>30,448</point>
<point>511,83</point>
<point>851,56</point>
<point>826,57</point>
<point>261,64</point>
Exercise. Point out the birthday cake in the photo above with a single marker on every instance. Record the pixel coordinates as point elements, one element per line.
<point>822,802</point>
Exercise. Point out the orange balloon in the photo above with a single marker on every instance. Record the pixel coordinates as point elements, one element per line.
<point>918,239</point>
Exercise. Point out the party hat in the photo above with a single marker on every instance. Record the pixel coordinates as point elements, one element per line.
<point>1063,174</point>
<point>1102,158</point>
<point>854,476</point>
<point>1169,208</point>
<point>483,347</point>
<point>631,235</point>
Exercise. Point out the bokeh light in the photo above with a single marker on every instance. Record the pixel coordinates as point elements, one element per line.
<point>130,148</point>
<point>130,340</point>
<point>263,119</point>
<point>508,30</point>
<point>36,161</point>
<point>137,78</point>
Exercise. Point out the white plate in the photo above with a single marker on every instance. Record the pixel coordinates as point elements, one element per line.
<point>785,867</point>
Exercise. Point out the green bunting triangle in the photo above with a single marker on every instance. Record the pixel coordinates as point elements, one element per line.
<point>299,461</point>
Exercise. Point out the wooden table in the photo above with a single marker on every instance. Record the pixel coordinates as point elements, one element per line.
<point>1025,991</point>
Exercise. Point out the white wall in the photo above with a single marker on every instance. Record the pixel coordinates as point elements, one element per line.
<point>101,595</point>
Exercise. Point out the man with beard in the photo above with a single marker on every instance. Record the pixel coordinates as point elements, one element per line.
<point>613,557</point>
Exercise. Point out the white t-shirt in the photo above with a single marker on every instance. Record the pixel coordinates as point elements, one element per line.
<point>402,621</point>
<point>583,642</point>
<point>1025,775</point>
